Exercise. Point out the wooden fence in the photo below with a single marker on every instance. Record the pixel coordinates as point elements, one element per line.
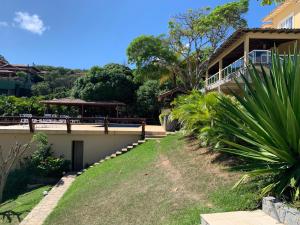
<point>105,122</point>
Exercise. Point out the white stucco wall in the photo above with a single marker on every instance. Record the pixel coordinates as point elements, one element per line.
<point>96,145</point>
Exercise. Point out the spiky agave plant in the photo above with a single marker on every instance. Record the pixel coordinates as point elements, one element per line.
<point>268,125</point>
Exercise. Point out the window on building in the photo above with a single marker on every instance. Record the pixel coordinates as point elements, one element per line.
<point>287,23</point>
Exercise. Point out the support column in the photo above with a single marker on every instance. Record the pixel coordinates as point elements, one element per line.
<point>220,73</point>
<point>246,50</point>
<point>206,78</point>
<point>246,57</point>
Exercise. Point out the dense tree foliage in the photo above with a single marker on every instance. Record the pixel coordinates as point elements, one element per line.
<point>147,53</point>
<point>147,102</point>
<point>112,82</point>
<point>193,37</point>
<point>114,68</point>
<point>14,106</point>
<point>55,82</point>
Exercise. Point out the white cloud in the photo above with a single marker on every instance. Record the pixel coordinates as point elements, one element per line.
<point>31,23</point>
<point>3,24</point>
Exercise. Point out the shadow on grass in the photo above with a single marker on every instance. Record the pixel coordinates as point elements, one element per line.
<point>9,215</point>
<point>219,157</point>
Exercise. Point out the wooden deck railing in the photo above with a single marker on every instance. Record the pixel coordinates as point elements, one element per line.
<point>105,122</point>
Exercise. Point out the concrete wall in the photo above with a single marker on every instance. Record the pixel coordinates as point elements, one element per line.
<point>96,146</point>
<point>280,211</point>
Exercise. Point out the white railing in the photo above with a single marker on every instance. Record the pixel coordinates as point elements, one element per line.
<point>260,57</point>
<point>238,66</point>
<point>213,79</point>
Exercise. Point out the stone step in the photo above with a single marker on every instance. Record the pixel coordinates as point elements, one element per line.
<point>118,153</point>
<point>135,144</point>
<point>130,147</point>
<point>155,137</point>
<point>113,155</point>
<point>124,150</point>
<point>141,141</point>
<point>257,217</point>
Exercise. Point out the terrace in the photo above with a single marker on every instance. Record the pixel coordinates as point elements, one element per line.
<point>235,69</point>
<point>242,48</point>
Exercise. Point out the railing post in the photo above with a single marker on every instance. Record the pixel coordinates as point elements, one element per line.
<point>105,125</point>
<point>68,125</point>
<point>31,125</point>
<point>143,130</point>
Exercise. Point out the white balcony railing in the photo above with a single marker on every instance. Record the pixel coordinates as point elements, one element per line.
<point>234,69</point>
<point>213,79</point>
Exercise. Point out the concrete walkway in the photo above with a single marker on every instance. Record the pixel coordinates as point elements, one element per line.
<point>39,214</point>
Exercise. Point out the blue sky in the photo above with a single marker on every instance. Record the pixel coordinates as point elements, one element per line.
<point>83,33</point>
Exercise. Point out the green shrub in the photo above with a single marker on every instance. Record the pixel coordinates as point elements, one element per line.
<point>198,115</point>
<point>267,126</point>
<point>42,161</point>
<point>192,112</point>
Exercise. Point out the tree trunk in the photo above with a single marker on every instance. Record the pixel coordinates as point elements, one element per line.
<point>174,80</point>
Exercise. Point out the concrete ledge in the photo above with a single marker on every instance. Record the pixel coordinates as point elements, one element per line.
<point>257,217</point>
<point>280,211</point>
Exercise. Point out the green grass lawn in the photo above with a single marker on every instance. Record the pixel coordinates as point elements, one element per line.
<point>167,181</point>
<point>13,211</point>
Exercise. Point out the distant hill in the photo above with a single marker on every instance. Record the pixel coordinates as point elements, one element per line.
<point>55,82</point>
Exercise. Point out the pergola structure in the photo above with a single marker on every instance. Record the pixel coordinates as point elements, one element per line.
<point>82,104</point>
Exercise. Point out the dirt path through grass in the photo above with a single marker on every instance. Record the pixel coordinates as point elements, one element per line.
<point>169,181</point>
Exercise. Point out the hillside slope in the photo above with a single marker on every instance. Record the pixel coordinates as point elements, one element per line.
<point>167,181</point>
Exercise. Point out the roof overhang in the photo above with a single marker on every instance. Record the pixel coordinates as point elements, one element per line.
<point>239,34</point>
<point>278,10</point>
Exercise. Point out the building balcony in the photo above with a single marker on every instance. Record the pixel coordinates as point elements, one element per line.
<point>235,69</point>
<point>242,48</point>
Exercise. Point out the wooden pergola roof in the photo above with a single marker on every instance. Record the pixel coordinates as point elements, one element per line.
<point>80,102</point>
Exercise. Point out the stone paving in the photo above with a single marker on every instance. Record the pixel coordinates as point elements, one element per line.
<point>39,214</point>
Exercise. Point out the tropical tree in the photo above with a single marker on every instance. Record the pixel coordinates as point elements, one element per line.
<point>268,125</point>
<point>104,84</point>
<point>153,58</point>
<point>193,37</point>
<point>14,106</point>
<point>115,68</point>
<point>147,102</point>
